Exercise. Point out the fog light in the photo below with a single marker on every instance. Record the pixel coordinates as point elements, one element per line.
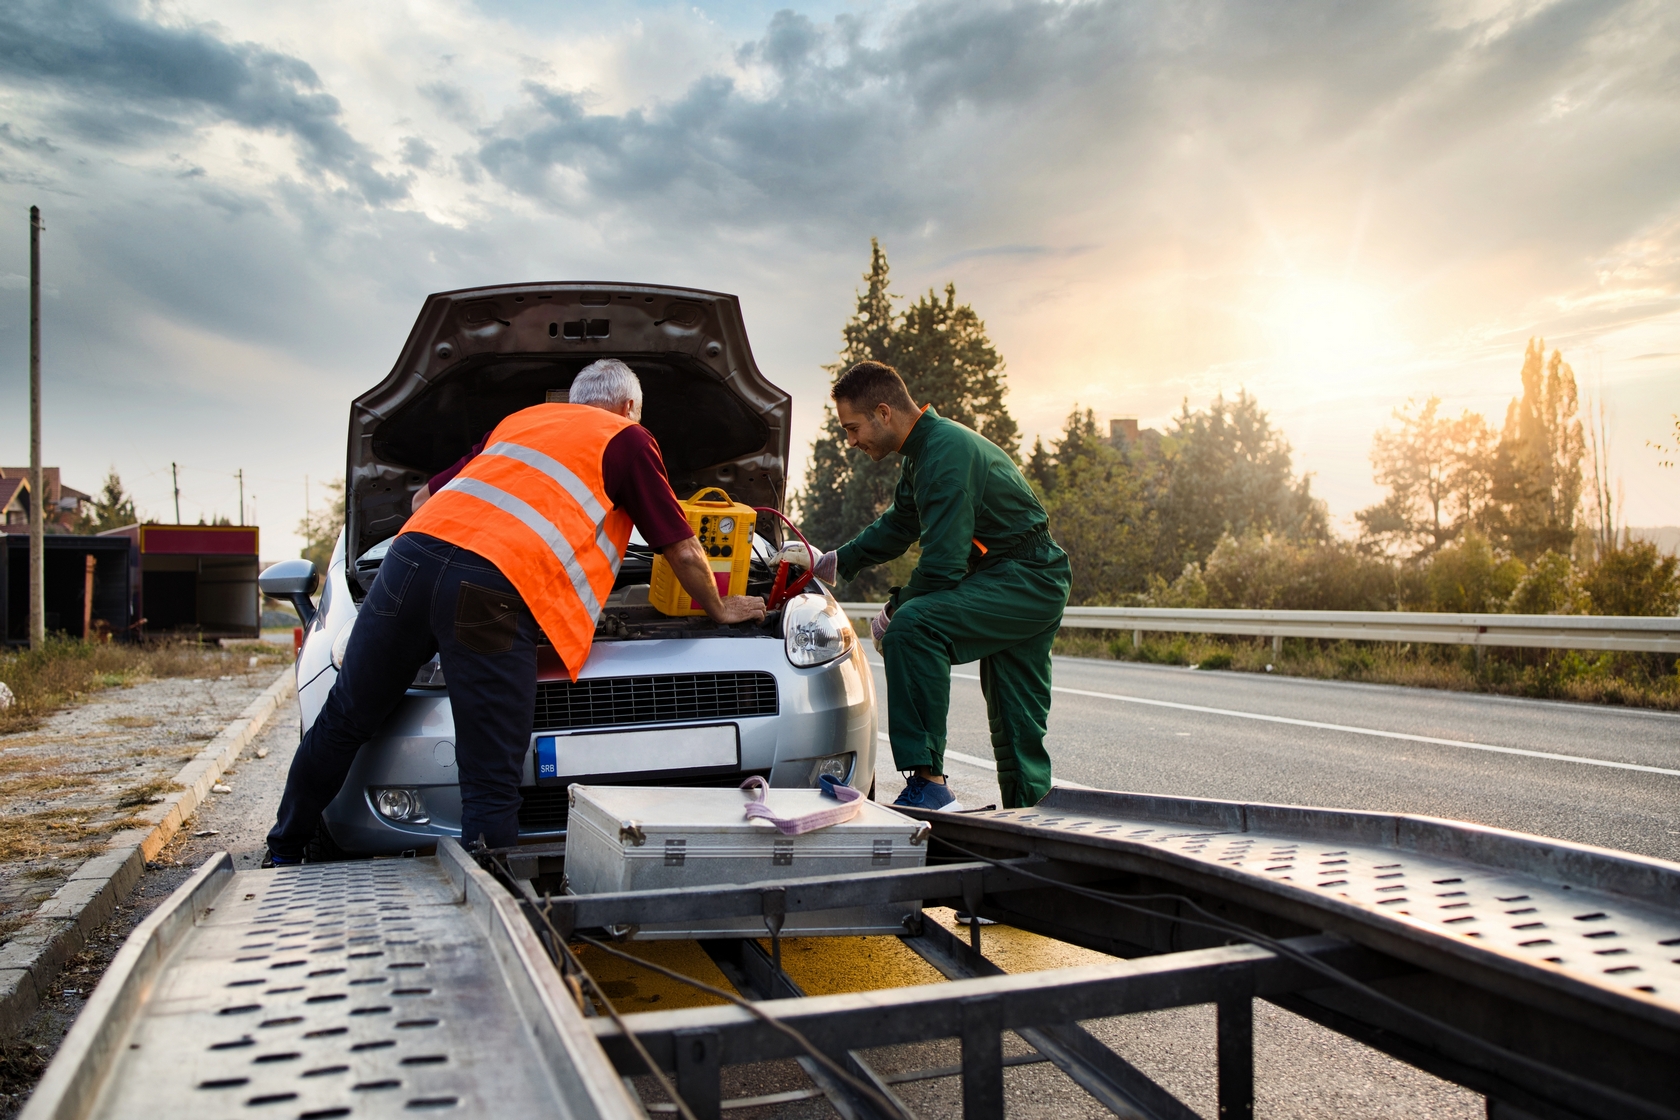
<point>836,766</point>
<point>402,805</point>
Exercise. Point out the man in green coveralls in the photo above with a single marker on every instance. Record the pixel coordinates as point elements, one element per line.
<point>990,586</point>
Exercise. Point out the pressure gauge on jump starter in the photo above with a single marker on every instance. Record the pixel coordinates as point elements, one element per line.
<point>726,525</point>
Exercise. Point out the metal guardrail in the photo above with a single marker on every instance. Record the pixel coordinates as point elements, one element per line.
<point>1534,631</point>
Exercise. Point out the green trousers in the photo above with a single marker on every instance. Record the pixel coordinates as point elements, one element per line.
<point>1004,615</point>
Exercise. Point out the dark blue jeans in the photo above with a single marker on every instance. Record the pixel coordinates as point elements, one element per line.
<point>430,597</point>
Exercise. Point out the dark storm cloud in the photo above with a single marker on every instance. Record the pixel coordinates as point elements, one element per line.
<point>957,103</point>
<point>126,80</point>
<point>838,121</point>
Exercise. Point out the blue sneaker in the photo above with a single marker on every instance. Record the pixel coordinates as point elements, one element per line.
<point>919,793</point>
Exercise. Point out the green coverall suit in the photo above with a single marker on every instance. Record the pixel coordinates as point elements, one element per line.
<point>1000,604</point>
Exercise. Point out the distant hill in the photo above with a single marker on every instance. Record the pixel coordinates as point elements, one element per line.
<point>1665,537</point>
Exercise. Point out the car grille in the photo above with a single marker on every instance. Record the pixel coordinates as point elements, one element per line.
<point>676,698</point>
<point>546,808</point>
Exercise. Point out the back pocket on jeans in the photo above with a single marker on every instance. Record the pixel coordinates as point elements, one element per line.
<point>486,619</point>
<point>389,587</point>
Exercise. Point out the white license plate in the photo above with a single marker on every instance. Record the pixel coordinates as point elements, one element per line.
<point>593,753</point>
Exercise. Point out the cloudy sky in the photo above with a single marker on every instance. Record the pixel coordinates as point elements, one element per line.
<point>1336,206</point>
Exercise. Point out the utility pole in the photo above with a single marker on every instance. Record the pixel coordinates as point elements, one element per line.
<point>37,488</point>
<point>241,475</point>
<point>175,480</point>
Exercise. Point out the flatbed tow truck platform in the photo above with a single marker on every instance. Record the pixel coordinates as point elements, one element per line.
<point>1542,974</point>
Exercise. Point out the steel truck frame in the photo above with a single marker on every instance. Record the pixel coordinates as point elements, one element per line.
<point>1542,974</point>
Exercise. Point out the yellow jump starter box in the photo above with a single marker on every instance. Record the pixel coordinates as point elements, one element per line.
<point>725,529</point>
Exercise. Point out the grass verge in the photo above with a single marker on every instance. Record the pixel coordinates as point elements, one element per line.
<point>64,670</point>
<point>1640,680</point>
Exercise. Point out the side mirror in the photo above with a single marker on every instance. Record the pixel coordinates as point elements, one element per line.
<point>294,581</point>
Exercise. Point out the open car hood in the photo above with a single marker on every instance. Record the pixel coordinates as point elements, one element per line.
<point>479,354</point>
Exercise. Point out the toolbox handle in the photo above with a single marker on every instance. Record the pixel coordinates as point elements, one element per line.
<point>727,500</point>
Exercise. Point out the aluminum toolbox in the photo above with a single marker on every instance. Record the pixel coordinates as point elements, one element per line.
<point>623,838</point>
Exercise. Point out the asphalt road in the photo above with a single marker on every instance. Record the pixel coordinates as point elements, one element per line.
<point>1596,775</point>
<point>1145,728</point>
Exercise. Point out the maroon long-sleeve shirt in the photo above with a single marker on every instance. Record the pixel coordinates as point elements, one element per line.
<point>633,472</point>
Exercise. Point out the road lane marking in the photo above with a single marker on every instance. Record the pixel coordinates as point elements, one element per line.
<point>1371,731</point>
<point>988,764</point>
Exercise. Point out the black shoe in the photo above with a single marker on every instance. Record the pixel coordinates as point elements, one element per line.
<point>969,919</point>
<point>271,860</point>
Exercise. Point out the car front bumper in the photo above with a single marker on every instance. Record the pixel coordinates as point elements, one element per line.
<point>821,712</point>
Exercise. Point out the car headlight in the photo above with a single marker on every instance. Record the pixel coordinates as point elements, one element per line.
<point>341,643</point>
<point>816,630</point>
<point>398,804</point>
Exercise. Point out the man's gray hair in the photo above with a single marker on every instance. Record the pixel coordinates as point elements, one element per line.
<point>607,383</point>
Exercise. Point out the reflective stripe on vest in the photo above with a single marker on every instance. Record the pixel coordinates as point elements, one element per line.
<point>571,484</point>
<point>538,524</point>
<point>535,505</point>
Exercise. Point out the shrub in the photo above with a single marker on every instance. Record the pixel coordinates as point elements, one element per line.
<point>1470,577</point>
<point>1634,579</point>
<point>1262,572</point>
<point>1550,586</point>
<point>1188,591</point>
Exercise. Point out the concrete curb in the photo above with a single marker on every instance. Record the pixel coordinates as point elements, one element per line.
<point>60,927</point>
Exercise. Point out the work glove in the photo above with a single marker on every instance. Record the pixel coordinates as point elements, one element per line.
<point>794,554</point>
<point>827,567</point>
<point>878,626</point>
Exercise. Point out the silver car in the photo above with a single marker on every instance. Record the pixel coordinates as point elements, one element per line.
<point>661,700</point>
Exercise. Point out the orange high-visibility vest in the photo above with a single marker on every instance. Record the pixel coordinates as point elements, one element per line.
<point>534,504</point>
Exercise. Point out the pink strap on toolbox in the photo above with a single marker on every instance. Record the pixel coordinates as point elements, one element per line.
<point>851,804</point>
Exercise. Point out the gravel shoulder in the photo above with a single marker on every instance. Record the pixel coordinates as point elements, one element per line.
<point>235,822</point>
<point>79,778</point>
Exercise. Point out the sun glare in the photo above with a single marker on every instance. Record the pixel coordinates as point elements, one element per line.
<point>1325,323</point>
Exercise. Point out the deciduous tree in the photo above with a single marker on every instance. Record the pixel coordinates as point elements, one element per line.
<point>1537,467</point>
<point>1096,514</point>
<point>320,527</point>
<point>1438,474</point>
<point>1227,471</point>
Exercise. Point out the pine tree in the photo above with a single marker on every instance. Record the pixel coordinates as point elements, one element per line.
<point>844,489</point>
<point>1041,467</point>
<point>941,350</point>
<point>112,508</point>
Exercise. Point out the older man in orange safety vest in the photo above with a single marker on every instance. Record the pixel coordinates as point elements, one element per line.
<point>525,533</point>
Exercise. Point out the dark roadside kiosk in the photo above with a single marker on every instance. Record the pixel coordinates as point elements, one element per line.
<point>990,586</point>
<point>88,584</point>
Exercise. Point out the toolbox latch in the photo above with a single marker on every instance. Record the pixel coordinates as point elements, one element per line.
<point>676,851</point>
<point>881,855</point>
<point>631,831</point>
<point>782,854</point>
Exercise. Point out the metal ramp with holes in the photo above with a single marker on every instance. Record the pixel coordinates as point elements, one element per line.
<point>1543,974</point>
<point>387,988</point>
